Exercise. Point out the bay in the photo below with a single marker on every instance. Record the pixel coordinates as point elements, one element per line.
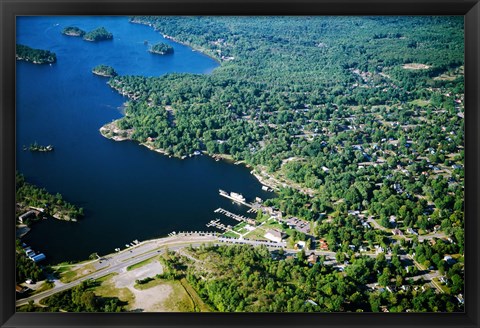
<point>128,192</point>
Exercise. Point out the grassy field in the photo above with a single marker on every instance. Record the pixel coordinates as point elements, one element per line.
<point>442,286</point>
<point>230,234</point>
<point>107,289</point>
<point>45,286</point>
<point>259,233</point>
<point>420,102</point>
<point>140,264</point>
<point>199,305</point>
<point>182,299</point>
<point>71,275</point>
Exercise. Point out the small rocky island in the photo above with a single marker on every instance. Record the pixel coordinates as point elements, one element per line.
<point>73,31</point>
<point>36,56</point>
<point>104,70</point>
<point>98,34</point>
<point>36,147</point>
<point>161,49</point>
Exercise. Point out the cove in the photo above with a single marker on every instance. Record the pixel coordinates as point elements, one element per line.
<point>127,191</point>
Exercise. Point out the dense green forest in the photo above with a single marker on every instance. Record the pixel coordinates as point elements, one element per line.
<point>246,279</point>
<point>161,49</point>
<point>343,114</point>
<point>36,56</point>
<point>104,70</point>
<point>98,34</point>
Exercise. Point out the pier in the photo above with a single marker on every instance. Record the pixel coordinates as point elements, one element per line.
<point>239,218</point>
<point>220,226</point>
<point>212,223</point>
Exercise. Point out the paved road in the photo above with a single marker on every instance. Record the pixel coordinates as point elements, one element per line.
<point>115,263</point>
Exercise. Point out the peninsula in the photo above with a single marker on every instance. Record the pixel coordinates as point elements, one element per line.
<point>36,56</point>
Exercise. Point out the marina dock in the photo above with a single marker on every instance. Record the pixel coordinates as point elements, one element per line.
<point>220,226</point>
<point>239,218</point>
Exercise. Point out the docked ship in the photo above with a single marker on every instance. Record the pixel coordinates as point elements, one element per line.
<point>237,197</point>
<point>233,196</point>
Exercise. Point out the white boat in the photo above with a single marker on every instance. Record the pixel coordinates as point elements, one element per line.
<point>237,197</point>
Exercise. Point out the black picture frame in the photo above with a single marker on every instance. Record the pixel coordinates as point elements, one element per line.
<point>11,8</point>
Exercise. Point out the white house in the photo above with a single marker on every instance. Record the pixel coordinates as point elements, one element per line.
<point>274,235</point>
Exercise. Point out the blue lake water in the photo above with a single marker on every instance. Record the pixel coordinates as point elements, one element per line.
<point>128,192</point>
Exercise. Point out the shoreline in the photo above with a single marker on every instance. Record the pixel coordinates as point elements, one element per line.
<point>21,230</point>
<point>102,74</point>
<point>113,128</point>
<point>168,37</point>
<point>105,129</point>
<point>35,62</point>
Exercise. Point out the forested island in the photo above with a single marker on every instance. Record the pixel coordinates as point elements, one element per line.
<point>36,56</point>
<point>359,132</point>
<point>104,70</point>
<point>161,49</point>
<point>98,34</point>
<point>73,31</point>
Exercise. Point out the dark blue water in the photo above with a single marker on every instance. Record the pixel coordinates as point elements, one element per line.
<point>128,192</point>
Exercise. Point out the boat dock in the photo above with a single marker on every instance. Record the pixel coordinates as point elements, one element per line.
<point>220,226</point>
<point>239,218</point>
<point>212,223</point>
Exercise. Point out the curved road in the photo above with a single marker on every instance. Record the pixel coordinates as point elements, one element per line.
<point>117,262</point>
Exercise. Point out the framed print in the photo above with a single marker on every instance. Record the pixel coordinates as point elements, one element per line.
<point>244,163</point>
